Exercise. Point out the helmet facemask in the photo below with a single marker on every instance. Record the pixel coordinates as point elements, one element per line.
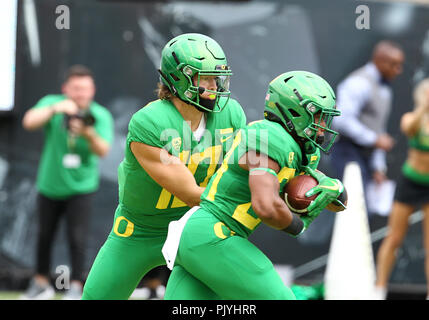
<point>321,120</point>
<point>192,95</point>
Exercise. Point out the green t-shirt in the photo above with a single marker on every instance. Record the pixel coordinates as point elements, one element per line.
<point>228,194</point>
<point>57,180</point>
<point>161,125</point>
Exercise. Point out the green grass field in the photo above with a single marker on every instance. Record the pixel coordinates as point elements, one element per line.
<point>14,295</point>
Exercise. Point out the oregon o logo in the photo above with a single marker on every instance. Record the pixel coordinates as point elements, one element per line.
<point>129,228</point>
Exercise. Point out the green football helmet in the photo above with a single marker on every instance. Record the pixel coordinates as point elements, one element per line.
<point>188,57</point>
<point>294,99</point>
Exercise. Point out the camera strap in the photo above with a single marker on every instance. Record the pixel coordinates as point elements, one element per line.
<point>71,141</point>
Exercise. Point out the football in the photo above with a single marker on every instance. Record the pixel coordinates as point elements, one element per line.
<point>294,193</point>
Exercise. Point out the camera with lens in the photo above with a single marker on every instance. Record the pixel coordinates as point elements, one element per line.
<point>84,115</point>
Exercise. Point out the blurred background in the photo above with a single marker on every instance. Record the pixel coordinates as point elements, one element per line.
<point>121,42</point>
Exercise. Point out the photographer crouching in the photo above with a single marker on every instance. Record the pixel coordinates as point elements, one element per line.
<point>77,132</point>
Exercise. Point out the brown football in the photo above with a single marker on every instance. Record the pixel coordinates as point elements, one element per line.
<point>294,193</point>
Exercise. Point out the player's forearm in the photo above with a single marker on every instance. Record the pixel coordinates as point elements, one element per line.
<point>273,213</point>
<point>175,177</point>
<point>36,118</point>
<point>178,180</point>
<point>182,186</point>
<point>192,197</point>
<point>265,199</point>
<point>169,172</point>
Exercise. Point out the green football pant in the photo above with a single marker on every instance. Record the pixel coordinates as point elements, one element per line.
<point>214,263</point>
<point>126,256</point>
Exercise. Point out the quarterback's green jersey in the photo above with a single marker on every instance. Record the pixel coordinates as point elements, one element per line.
<point>161,125</point>
<point>228,194</point>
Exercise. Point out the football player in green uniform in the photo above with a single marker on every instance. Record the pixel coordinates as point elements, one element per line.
<point>174,145</point>
<point>208,246</point>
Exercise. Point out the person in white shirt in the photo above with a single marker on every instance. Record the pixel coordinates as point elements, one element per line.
<point>364,98</point>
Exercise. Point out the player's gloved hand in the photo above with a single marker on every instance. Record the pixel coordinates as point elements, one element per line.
<point>328,190</point>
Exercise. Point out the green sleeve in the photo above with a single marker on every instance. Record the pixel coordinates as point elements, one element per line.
<point>45,102</point>
<point>241,120</point>
<point>142,128</point>
<point>268,139</point>
<point>314,159</point>
<point>48,100</point>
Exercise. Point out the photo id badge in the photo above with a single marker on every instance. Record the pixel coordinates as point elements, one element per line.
<point>71,161</point>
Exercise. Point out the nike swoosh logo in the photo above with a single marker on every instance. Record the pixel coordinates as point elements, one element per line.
<point>222,140</point>
<point>334,187</point>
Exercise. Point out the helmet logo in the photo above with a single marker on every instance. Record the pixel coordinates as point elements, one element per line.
<point>221,67</point>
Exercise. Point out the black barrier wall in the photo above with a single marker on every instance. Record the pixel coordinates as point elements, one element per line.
<point>121,43</point>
